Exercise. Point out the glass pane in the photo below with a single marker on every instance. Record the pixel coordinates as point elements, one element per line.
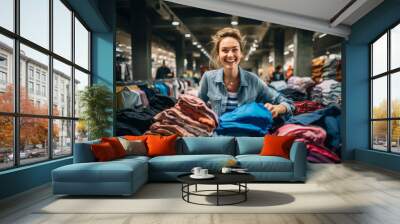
<point>62,29</point>
<point>395,94</point>
<point>34,97</point>
<point>395,132</point>
<point>62,89</point>
<point>33,139</point>
<point>379,135</point>
<point>81,81</point>
<point>81,131</point>
<point>35,21</point>
<point>6,74</point>
<point>7,14</point>
<point>62,138</point>
<point>395,47</point>
<point>6,142</point>
<point>81,45</point>
<point>379,55</point>
<point>379,98</point>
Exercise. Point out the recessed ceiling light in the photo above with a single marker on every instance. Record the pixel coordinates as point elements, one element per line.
<point>194,43</point>
<point>175,23</point>
<point>188,35</point>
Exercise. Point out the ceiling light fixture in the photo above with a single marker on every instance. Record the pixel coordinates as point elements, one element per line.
<point>322,35</point>
<point>175,23</point>
<point>234,23</point>
<point>188,35</point>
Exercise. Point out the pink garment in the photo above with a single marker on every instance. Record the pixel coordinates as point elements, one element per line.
<point>144,99</point>
<point>307,134</point>
<point>196,103</point>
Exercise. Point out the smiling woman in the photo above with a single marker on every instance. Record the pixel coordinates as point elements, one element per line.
<point>229,87</point>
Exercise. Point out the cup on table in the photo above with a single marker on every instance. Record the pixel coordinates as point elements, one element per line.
<point>226,170</point>
<point>196,170</point>
<point>203,172</point>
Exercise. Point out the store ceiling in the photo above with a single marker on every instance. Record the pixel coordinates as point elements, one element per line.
<point>205,19</point>
<point>326,16</point>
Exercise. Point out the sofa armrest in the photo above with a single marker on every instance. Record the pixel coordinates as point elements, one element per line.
<point>83,152</point>
<point>298,155</point>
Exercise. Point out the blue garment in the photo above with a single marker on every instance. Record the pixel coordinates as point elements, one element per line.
<point>161,87</point>
<point>327,118</point>
<point>251,119</point>
<point>251,89</point>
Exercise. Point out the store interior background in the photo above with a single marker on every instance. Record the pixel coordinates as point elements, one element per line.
<point>108,31</point>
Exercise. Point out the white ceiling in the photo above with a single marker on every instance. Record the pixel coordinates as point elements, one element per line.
<point>314,15</point>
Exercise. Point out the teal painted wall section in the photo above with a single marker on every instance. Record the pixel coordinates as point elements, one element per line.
<point>103,53</point>
<point>24,178</point>
<point>356,85</point>
<point>91,11</point>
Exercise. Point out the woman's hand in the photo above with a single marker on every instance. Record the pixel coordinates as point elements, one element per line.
<point>275,109</point>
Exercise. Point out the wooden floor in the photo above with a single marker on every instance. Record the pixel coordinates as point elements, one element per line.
<point>377,188</point>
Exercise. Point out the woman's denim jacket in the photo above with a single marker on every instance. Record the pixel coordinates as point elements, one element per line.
<point>251,89</point>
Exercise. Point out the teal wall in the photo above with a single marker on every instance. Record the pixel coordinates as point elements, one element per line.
<point>356,85</point>
<point>93,13</point>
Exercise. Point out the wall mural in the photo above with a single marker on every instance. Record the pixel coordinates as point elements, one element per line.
<point>238,81</point>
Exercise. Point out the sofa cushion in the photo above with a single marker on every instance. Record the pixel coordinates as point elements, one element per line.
<point>83,152</point>
<point>134,147</point>
<point>116,145</point>
<point>277,146</point>
<point>161,145</point>
<point>185,163</point>
<point>103,152</point>
<point>206,145</point>
<point>249,145</point>
<point>257,163</point>
<point>111,171</point>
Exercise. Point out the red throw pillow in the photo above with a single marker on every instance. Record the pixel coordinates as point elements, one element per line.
<point>116,145</point>
<point>277,145</point>
<point>103,152</point>
<point>161,145</point>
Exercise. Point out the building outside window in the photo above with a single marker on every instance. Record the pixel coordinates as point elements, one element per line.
<point>385,97</point>
<point>33,75</point>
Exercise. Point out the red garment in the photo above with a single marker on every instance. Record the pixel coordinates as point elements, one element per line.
<point>321,154</point>
<point>306,106</point>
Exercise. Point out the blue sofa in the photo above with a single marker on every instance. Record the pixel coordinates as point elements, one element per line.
<point>125,176</point>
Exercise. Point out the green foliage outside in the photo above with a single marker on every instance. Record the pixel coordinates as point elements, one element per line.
<point>96,104</point>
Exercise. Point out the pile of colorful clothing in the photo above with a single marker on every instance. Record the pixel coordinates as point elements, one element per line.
<point>189,117</point>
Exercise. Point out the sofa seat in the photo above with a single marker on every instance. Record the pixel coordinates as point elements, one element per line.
<point>167,168</point>
<point>257,163</point>
<point>118,177</point>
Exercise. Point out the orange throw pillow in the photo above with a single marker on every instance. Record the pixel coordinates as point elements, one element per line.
<point>277,145</point>
<point>135,137</point>
<point>161,145</point>
<point>116,145</point>
<point>103,152</point>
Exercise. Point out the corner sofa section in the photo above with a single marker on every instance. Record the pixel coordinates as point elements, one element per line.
<point>125,176</point>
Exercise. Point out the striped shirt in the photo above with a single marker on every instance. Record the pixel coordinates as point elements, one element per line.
<point>232,102</point>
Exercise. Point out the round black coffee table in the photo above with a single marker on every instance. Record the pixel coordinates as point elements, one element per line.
<point>238,179</point>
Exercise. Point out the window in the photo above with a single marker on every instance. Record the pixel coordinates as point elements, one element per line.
<point>7,14</point>
<point>43,90</point>
<point>30,73</point>
<point>30,88</point>
<point>38,89</point>
<point>385,97</point>
<point>45,131</point>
